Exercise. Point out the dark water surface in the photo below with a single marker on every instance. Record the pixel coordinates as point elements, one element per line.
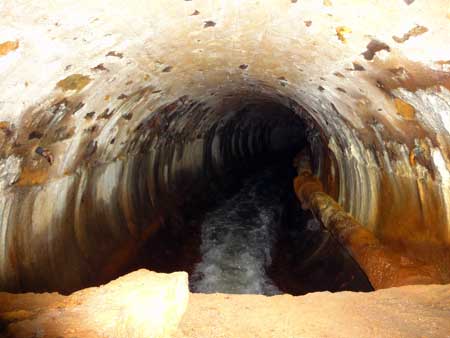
<point>255,241</point>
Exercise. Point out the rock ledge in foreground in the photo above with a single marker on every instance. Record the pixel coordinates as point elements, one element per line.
<point>141,304</point>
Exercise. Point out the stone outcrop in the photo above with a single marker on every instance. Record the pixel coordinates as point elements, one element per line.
<point>142,304</point>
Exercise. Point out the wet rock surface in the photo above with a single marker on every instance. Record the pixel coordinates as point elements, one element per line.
<point>140,304</point>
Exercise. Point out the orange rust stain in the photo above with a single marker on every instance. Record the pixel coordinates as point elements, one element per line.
<point>342,33</point>
<point>32,177</point>
<point>399,213</point>
<point>107,97</point>
<point>384,266</point>
<point>4,125</point>
<point>408,211</point>
<point>74,82</point>
<point>327,3</point>
<point>8,46</point>
<point>404,109</point>
<point>413,76</point>
<point>412,158</point>
<point>409,245</point>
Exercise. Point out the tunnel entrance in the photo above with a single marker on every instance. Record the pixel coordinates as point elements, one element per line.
<point>255,241</point>
<point>244,231</point>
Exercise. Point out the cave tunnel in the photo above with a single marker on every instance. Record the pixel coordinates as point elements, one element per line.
<point>125,127</point>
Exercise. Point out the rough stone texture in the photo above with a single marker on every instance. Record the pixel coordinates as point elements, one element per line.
<point>145,304</point>
<point>405,312</point>
<point>135,105</point>
<point>142,304</point>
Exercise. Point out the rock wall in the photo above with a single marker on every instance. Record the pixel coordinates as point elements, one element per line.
<point>110,111</point>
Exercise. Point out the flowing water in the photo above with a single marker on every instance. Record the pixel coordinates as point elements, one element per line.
<point>258,241</point>
<point>237,238</point>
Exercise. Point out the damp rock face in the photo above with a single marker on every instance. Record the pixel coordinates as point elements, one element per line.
<point>138,305</point>
<point>135,107</point>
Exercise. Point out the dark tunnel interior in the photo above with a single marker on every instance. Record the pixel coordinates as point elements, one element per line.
<point>258,143</point>
<point>200,186</point>
<point>187,168</point>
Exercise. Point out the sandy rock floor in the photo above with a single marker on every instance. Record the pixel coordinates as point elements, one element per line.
<point>411,311</point>
<point>145,304</point>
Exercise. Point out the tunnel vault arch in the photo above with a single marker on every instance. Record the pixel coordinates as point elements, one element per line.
<point>119,97</point>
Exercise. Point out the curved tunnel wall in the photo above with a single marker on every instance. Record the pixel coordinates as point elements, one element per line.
<point>109,90</point>
<point>92,221</point>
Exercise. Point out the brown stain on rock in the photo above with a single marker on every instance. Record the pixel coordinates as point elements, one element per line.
<point>8,46</point>
<point>358,67</point>
<point>4,125</point>
<point>373,47</point>
<point>404,109</point>
<point>209,23</point>
<point>127,116</point>
<point>398,72</point>
<point>89,115</point>
<point>74,82</point>
<point>115,54</point>
<point>35,135</point>
<point>107,113</point>
<point>100,67</point>
<point>415,31</point>
<point>412,158</point>
<point>443,62</point>
<point>413,75</point>
<point>408,218</point>
<point>29,176</point>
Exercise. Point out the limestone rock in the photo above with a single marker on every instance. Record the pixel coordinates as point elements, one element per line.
<point>141,304</point>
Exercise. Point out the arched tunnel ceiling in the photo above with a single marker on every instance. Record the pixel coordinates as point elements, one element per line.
<point>91,83</point>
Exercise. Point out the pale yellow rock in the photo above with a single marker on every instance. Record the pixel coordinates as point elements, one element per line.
<point>142,304</point>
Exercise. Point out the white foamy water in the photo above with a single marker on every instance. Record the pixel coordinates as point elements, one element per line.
<point>237,240</point>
